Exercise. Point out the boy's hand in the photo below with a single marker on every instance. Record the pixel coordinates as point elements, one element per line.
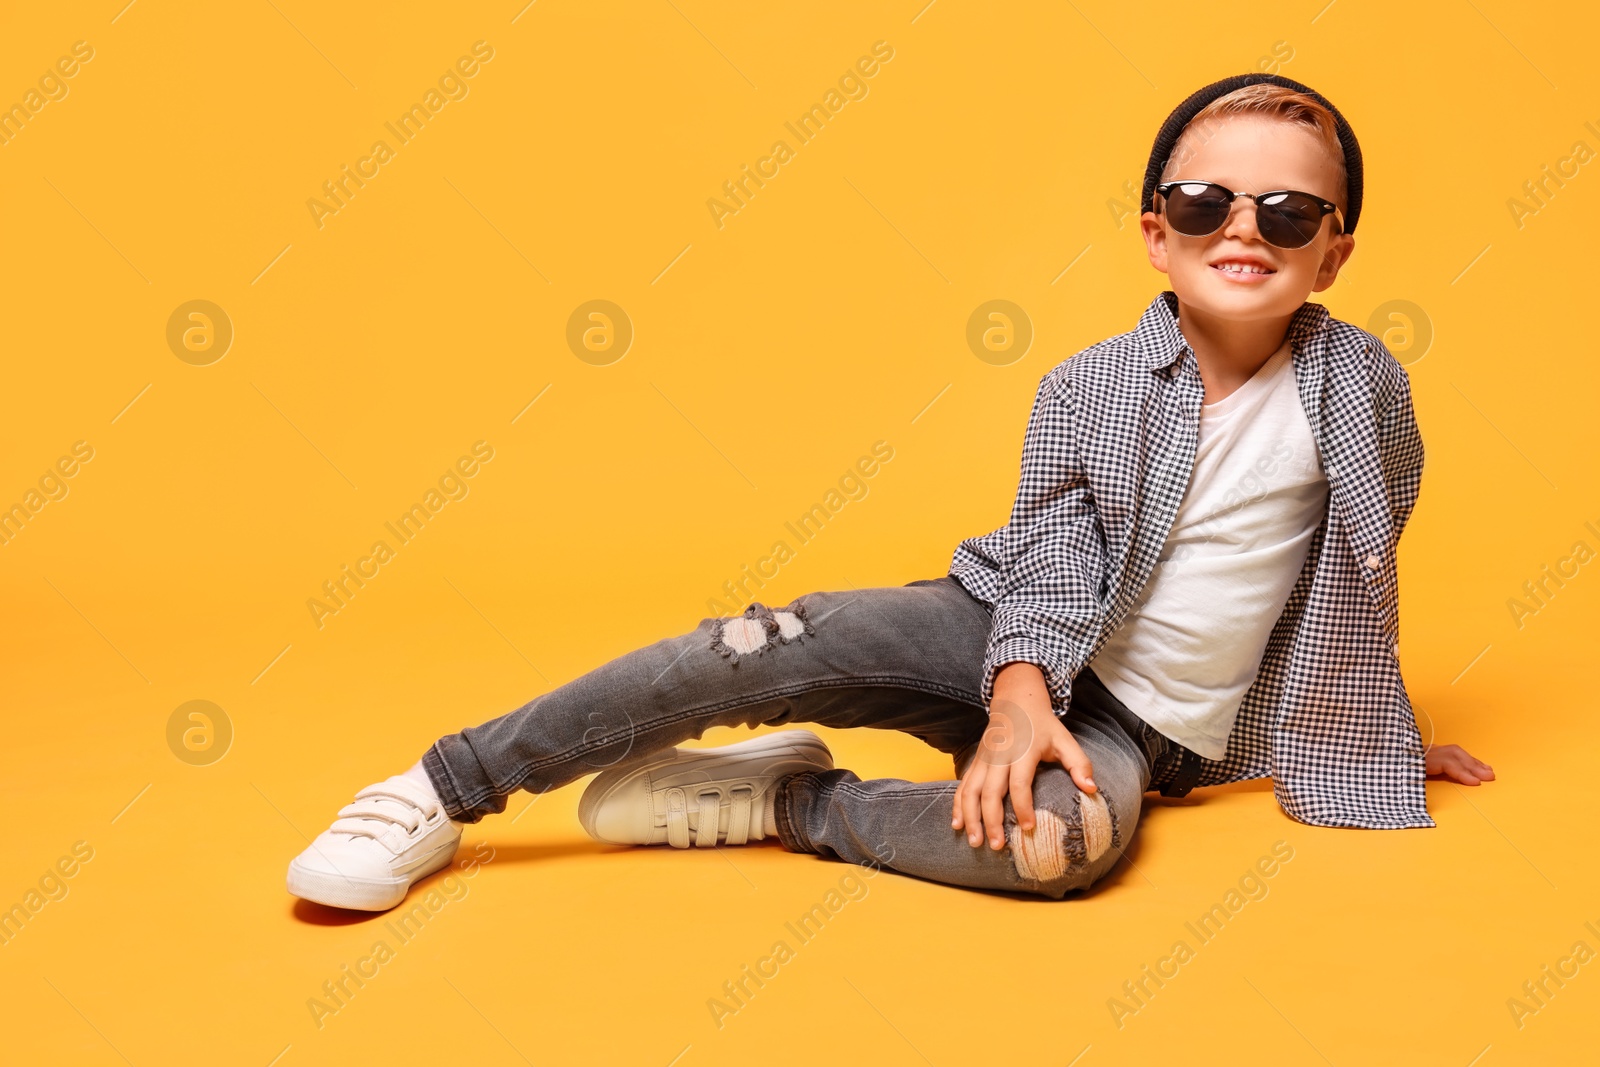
<point>1023,732</point>
<point>1455,762</point>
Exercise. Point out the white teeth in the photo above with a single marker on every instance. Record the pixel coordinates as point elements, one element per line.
<point>1241,268</point>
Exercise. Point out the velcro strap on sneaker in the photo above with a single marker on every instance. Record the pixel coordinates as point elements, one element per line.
<point>705,834</point>
<point>739,799</point>
<point>363,826</point>
<point>405,791</point>
<point>677,819</point>
<point>365,808</point>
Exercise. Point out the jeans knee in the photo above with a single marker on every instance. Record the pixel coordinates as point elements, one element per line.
<point>1072,833</point>
<point>759,629</point>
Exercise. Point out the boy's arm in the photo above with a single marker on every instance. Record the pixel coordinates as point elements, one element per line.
<point>1046,616</point>
<point>1399,441</point>
<point>1401,453</point>
<point>1048,611</point>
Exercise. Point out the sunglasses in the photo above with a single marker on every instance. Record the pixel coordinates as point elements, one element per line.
<point>1284,217</point>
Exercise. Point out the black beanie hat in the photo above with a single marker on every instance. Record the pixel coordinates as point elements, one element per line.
<point>1167,138</point>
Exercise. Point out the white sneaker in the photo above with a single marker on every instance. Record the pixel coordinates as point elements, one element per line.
<point>722,794</point>
<point>394,834</point>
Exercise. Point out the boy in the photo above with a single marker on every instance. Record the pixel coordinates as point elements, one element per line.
<point>1207,520</point>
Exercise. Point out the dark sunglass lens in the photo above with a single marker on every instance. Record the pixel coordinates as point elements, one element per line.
<point>1196,209</point>
<point>1288,220</point>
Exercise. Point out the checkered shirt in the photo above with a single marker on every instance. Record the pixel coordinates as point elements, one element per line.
<point>1106,459</point>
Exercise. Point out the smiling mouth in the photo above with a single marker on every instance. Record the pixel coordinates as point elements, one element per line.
<point>1243,272</point>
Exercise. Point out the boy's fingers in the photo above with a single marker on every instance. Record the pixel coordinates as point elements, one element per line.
<point>1022,798</point>
<point>994,810</point>
<point>1078,766</point>
<point>971,815</point>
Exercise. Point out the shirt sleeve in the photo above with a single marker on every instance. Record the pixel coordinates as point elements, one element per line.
<point>1399,441</point>
<point>1049,609</point>
<point>1400,451</point>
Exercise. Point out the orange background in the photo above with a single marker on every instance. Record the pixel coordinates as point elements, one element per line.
<point>986,161</point>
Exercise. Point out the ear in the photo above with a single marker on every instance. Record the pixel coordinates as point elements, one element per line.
<point>1337,254</point>
<point>1155,239</point>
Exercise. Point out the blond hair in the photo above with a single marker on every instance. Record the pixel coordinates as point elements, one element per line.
<point>1271,101</point>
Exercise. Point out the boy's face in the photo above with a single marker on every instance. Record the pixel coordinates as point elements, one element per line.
<point>1250,154</point>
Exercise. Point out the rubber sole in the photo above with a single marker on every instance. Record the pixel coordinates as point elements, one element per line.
<point>784,751</point>
<point>364,894</point>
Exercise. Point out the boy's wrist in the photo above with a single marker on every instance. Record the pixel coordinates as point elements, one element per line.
<point>1018,653</point>
<point>1022,684</point>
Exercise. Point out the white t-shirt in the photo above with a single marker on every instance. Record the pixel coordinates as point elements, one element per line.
<point>1193,641</point>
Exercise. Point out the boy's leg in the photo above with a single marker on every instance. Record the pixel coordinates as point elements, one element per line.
<point>905,826</point>
<point>900,657</point>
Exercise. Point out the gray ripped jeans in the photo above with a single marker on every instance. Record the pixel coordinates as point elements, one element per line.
<point>905,658</point>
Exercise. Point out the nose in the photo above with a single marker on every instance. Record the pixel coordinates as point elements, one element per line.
<point>1242,220</point>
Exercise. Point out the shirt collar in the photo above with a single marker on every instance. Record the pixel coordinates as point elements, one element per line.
<point>1164,343</point>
